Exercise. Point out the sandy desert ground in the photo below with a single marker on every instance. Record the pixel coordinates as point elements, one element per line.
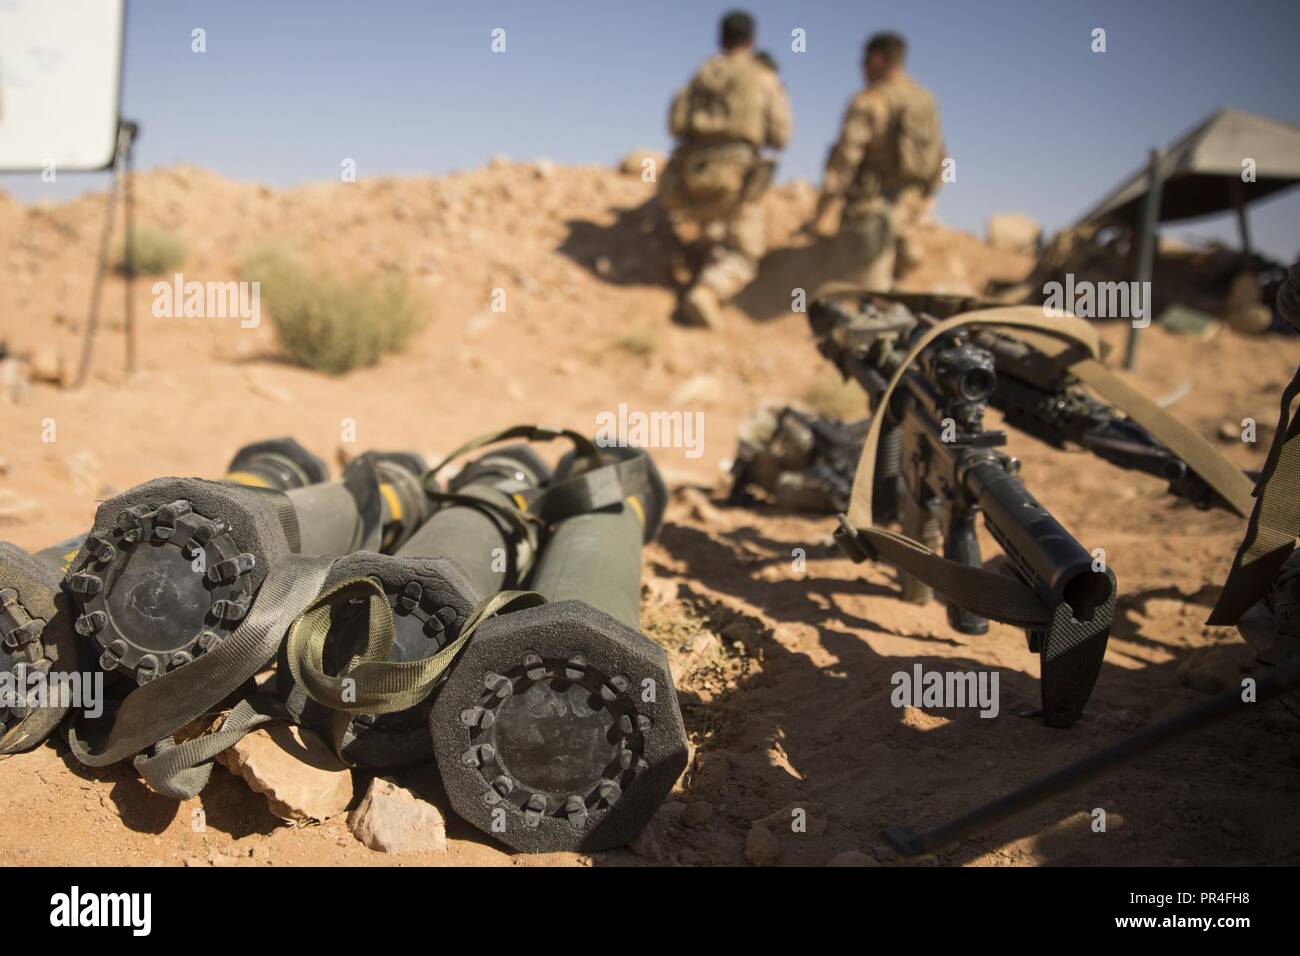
<point>783,676</point>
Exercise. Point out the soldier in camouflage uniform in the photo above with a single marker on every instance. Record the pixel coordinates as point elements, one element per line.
<point>885,167</point>
<point>731,109</point>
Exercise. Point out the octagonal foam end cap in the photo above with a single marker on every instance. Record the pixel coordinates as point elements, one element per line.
<point>431,598</point>
<point>36,634</point>
<point>170,569</point>
<point>559,730</point>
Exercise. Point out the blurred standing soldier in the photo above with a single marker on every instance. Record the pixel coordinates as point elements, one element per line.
<point>886,166</point>
<point>731,109</point>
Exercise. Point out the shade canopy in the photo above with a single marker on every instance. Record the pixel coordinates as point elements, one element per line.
<point>1202,171</point>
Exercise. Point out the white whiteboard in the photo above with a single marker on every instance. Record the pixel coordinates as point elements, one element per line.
<point>60,77</point>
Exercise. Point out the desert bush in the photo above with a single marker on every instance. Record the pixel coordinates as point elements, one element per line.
<point>330,323</point>
<point>157,252</point>
<point>641,343</point>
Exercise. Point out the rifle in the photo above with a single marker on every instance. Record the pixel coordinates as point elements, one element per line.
<point>937,467</point>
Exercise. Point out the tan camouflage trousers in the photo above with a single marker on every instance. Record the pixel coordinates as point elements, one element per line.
<point>731,249</point>
<point>874,236</point>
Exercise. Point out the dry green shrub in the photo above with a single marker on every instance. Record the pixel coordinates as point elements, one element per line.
<point>156,252</point>
<point>330,323</point>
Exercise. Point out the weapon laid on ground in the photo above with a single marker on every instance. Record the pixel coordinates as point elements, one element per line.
<point>1261,597</point>
<point>466,550</point>
<point>36,616</point>
<point>559,728</point>
<point>170,568</point>
<point>929,460</point>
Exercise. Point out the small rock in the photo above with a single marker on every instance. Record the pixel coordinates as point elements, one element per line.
<point>852,858</point>
<point>295,770</point>
<point>659,591</point>
<point>698,505</point>
<point>713,771</point>
<point>268,390</point>
<point>544,168</point>
<point>46,365</point>
<point>635,162</point>
<point>391,819</point>
<point>697,814</point>
<point>1229,431</point>
<point>14,381</point>
<point>83,470</point>
<point>646,844</point>
<point>698,388</point>
<point>812,820</point>
<point>1013,231</point>
<point>670,814</point>
<point>1212,669</point>
<point>761,848</point>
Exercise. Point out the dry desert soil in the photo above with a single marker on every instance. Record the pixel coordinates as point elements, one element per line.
<point>783,674</point>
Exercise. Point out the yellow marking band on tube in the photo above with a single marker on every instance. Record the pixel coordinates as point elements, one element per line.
<point>636,505</point>
<point>247,478</point>
<point>394,502</point>
<point>521,502</point>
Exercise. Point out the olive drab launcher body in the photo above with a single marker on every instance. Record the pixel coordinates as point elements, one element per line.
<point>930,463</point>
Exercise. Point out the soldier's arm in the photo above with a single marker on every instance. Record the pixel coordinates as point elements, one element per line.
<point>677,113</point>
<point>780,121</point>
<point>846,155</point>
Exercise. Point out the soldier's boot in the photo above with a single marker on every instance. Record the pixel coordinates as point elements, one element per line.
<point>682,265</point>
<point>700,306</point>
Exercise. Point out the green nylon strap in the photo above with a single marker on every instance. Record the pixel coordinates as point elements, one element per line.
<point>1274,522</point>
<point>154,711</point>
<point>182,770</point>
<point>592,490</point>
<point>592,485</point>
<point>586,453</point>
<point>369,682</point>
<point>998,597</point>
<point>496,503</point>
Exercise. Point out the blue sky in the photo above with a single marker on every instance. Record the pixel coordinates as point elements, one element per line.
<point>1035,120</point>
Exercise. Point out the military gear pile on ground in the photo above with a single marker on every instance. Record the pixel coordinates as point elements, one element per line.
<point>489,625</point>
<point>796,460</point>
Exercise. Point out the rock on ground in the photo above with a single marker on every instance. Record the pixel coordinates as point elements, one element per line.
<point>633,163</point>
<point>391,819</point>
<point>1013,231</point>
<point>761,847</point>
<point>294,769</point>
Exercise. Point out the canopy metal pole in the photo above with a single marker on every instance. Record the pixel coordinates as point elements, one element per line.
<point>1146,251</point>
<point>1239,203</point>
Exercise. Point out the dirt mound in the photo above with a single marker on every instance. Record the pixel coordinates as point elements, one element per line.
<point>784,674</point>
